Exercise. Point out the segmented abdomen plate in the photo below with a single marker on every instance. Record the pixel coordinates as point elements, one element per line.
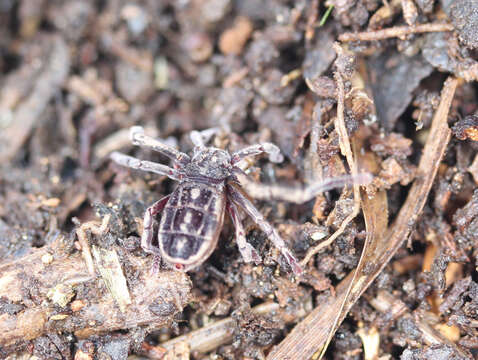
<point>191,222</point>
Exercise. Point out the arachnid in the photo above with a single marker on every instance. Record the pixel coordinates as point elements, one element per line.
<point>192,216</point>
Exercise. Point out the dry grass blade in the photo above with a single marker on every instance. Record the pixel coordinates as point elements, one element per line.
<point>375,212</point>
<point>311,334</point>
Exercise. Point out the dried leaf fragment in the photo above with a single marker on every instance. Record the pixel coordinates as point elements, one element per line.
<point>371,342</point>
<point>112,274</point>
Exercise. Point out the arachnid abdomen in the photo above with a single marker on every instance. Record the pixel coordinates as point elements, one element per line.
<point>191,222</point>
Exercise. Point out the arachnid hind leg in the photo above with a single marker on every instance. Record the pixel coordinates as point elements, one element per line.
<point>298,195</point>
<point>156,265</point>
<point>272,234</point>
<point>147,236</point>
<point>247,250</point>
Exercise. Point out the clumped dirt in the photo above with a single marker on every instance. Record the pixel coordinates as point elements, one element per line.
<point>341,87</point>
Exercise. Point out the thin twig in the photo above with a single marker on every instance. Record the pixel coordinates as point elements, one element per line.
<point>311,19</point>
<point>346,149</point>
<point>396,31</point>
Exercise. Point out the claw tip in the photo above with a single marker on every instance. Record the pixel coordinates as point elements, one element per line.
<point>135,130</point>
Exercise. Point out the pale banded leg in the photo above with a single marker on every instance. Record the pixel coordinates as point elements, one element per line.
<point>247,250</point>
<point>239,199</point>
<point>201,138</point>
<point>144,165</point>
<point>296,195</point>
<point>272,150</point>
<point>147,235</point>
<point>139,138</point>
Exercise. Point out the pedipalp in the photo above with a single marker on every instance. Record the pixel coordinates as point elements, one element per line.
<point>272,150</point>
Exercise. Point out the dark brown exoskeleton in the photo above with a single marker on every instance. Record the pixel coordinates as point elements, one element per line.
<point>192,216</point>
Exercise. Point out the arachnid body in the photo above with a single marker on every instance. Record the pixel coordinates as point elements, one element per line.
<point>192,216</point>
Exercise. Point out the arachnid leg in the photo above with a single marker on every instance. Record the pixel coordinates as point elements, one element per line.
<point>239,199</point>
<point>147,236</point>
<point>296,195</point>
<point>139,138</point>
<point>156,265</point>
<point>247,250</point>
<point>201,138</point>
<point>144,165</point>
<point>272,150</point>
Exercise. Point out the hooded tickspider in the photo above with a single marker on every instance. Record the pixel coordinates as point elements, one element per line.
<point>209,185</point>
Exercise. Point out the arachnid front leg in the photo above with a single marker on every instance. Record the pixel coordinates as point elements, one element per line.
<point>296,195</point>
<point>147,235</point>
<point>239,199</point>
<point>144,165</point>
<point>139,138</point>
<point>247,250</point>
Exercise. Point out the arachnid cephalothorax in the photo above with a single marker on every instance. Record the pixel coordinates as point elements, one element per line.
<point>192,216</point>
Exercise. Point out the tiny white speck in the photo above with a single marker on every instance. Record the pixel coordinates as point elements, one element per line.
<point>187,218</point>
<point>195,192</point>
<point>184,227</point>
<point>180,243</point>
<point>318,235</point>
